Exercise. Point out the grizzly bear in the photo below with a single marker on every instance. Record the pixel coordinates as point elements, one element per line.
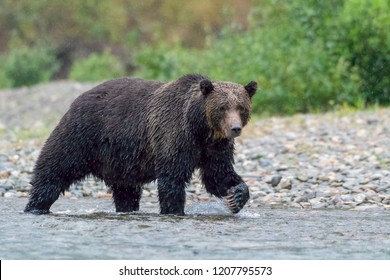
<point>129,132</point>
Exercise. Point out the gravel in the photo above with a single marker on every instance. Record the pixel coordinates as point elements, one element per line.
<point>338,160</point>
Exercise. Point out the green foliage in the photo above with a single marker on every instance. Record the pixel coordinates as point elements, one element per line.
<point>76,28</point>
<point>166,62</point>
<point>97,67</point>
<point>4,81</point>
<point>364,27</point>
<point>303,53</point>
<point>307,55</point>
<point>28,66</point>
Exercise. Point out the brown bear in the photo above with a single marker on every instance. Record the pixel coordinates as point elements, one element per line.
<point>129,132</point>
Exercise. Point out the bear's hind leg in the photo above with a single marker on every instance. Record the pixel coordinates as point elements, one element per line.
<point>126,197</point>
<point>43,195</point>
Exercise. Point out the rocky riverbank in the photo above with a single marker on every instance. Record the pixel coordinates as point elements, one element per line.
<point>327,161</point>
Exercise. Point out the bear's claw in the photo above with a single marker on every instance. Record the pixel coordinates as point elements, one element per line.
<point>236,197</point>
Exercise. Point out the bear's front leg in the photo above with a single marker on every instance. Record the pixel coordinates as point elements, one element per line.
<point>172,196</point>
<point>219,177</point>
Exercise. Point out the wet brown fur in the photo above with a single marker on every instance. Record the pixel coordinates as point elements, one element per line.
<point>129,132</point>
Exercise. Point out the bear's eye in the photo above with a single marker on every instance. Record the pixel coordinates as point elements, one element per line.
<point>241,109</point>
<point>222,108</point>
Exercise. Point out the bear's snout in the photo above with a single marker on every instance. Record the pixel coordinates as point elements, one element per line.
<point>233,124</point>
<point>236,130</point>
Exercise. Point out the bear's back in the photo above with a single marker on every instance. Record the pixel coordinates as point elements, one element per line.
<point>114,99</point>
<point>122,88</point>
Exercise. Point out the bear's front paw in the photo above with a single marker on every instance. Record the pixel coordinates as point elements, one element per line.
<point>236,197</point>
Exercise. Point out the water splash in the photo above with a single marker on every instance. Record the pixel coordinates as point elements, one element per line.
<point>216,207</point>
<point>63,212</point>
<point>247,215</point>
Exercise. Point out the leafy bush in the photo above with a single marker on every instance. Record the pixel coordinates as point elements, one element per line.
<point>97,67</point>
<point>4,81</point>
<point>364,29</point>
<point>27,66</point>
<point>307,55</point>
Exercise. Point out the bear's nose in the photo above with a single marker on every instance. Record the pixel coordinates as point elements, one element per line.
<point>236,131</point>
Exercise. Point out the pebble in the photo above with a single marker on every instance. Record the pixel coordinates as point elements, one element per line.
<point>359,198</point>
<point>7,184</point>
<point>306,197</point>
<point>386,200</point>
<point>303,178</point>
<point>285,183</point>
<point>9,194</point>
<point>384,189</point>
<point>322,161</point>
<point>21,194</point>
<point>276,180</point>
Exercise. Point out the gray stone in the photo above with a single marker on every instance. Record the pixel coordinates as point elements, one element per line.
<point>24,184</point>
<point>360,198</point>
<point>249,165</point>
<point>258,194</point>
<point>386,200</point>
<point>323,178</point>
<point>335,184</point>
<point>320,205</point>
<point>337,200</point>
<point>255,155</point>
<point>285,184</point>
<point>281,168</point>
<point>383,189</point>
<point>306,197</point>
<point>276,180</point>
<point>21,194</point>
<point>350,183</point>
<point>303,177</point>
<point>376,176</point>
<point>364,181</point>
<point>347,198</point>
<point>7,184</point>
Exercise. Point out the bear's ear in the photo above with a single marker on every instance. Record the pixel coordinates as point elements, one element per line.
<point>251,88</point>
<point>206,87</point>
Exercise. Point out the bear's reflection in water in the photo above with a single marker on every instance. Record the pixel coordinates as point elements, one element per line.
<point>210,210</point>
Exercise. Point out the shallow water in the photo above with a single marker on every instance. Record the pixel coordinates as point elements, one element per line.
<point>90,229</point>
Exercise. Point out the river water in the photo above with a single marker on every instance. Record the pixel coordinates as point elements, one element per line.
<point>90,229</point>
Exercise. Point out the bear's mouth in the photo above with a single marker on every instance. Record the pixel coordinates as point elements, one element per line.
<point>236,197</point>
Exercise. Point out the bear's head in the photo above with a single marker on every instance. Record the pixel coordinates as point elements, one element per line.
<point>227,106</point>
